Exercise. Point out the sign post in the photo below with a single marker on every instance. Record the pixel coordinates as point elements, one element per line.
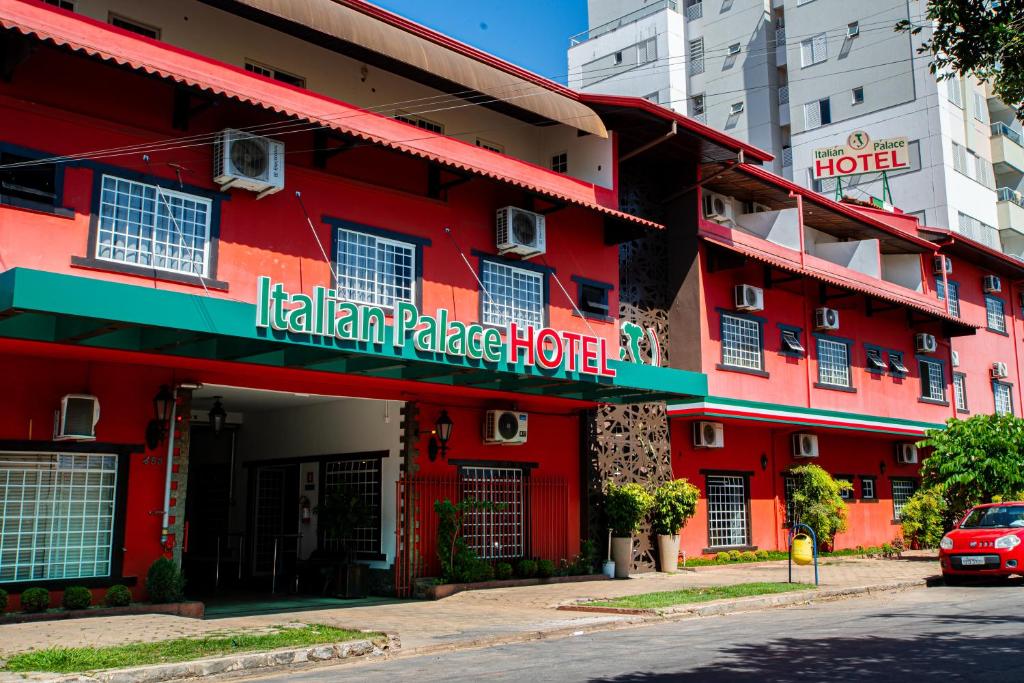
<point>861,155</point>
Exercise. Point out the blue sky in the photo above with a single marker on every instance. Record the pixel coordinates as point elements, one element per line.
<point>530,33</point>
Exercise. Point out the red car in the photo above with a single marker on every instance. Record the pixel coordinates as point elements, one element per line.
<point>988,541</point>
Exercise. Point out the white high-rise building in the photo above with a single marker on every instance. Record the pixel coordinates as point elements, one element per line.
<point>791,76</point>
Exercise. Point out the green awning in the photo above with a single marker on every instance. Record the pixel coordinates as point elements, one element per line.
<point>66,309</point>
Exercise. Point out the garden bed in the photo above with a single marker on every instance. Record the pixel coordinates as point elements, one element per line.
<point>190,609</point>
<point>444,590</point>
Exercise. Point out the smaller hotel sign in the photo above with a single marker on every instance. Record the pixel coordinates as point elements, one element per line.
<point>861,154</point>
<point>322,314</point>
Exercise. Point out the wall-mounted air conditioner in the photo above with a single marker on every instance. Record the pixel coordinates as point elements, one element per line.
<point>1000,371</point>
<point>249,162</point>
<point>805,445</point>
<point>708,435</point>
<point>505,427</point>
<point>925,343</point>
<point>718,207</point>
<point>992,284</point>
<point>826,318</point>
<point>906,454</point>
<point>76,420</point>
<point>937,265</point>
<point>520,232</point>
<point>956,359</point>
<point>748,298</point>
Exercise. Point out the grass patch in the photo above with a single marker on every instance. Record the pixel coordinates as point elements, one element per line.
<point>80,659</point>
<point>692,595</point>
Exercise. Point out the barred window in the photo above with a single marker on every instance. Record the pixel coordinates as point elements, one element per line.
<point>833,363</point>
<point>150,226</point>
<point>360,479</point>
<point>56,515</point>
<point>960,390</point>
<point>496,532</point>
<point>902,490</point>
<point>741,342</point>
<point>788,487</point>
<point>727,511</point>
<point>995,314</point>
<point>1003,398</point>
<point>374,270</point>
<point>933,383</point>
<point>953,303</point>
<point>511,295</point>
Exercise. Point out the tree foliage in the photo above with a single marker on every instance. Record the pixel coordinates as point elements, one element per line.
<point>816,501</point>
<point>675,501</point>
<point>976,37</point>
<point>626,507</point>
<point>977,460</point>
<point>923,517</point>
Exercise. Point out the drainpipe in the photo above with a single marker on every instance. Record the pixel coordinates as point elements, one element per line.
<point>803,293</point>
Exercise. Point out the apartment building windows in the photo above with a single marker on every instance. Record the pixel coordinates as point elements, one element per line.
<point>134,26</point>
<point>1002,394</point>
<point>933,381</point>
<point>817,114</point>
<point>973,166</point>
<point>857,95</point>
<point>979,231</point>
<point>560,162</point>
<point>373,269</point>
<point>489,145</point>
<point>814,50</point>
<point>696,57</point>
<point>960,391</point>
<point>995,314</point>
<point>420,122</point>
<point>617,58</point>
<point>697,111</point>
<point>647,51</point>
<point>833,363</point>
<point>276,74</point>
<point>742,346</point>
<point>69,5</point>
<point>980,107</point>
<point>953,300</point>
<point>512,295</point>
<point>954,92</point>
<point>32,185</point>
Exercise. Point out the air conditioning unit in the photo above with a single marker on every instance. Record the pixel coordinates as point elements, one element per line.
<point>906,454</point>
<point>992,284</point>
<point>925,343</point>
<point>249,162</point>
<point>956,359</point>
<point>937,265</point>
<point>759,208</point>
<point>520,232</point>
<point>749,298</point>
<point>736,108</point>
<point>76,420</point>
<point>717,207</point>
<point>805,445</point>
<point>708,435</point>
<point>1000,371</point>
<point>826,318</point>
<point>505,427</point>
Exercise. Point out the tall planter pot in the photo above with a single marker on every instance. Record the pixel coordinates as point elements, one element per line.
<point>622,554</point>
<point>668,553</point>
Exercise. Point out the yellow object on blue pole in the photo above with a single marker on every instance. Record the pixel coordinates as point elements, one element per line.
<point>803,551</point>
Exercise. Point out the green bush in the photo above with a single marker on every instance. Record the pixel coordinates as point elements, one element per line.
<point>749,556</point>
<point>117,596</point>
<point>545,568</point>
<point>922,517</point>
<point>674,504</point>
<point>459,562</point>
<point>35,599</point>
<point>76,597</point>
<point>3,599</point>
<point>526,569</point>
<point>735,556</point>
<point>817,502</point>
<point>503,570</point>
<point>722,557</point>
<point>762,555</point>
<point>626,507</point>
<point>583,563</point>
<point>165,582</point>
<point>888,550</point>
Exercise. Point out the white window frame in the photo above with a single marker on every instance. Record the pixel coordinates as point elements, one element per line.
<point>501,302</point>
<point>960,391</point>
<point>498,532</point>
<point>814,50</point>
<point>853,95</point>
<point>1002,397</point>
<point>934,387</point>
<point>906,489</point>
<point>954,93</point>
<point>832,373</point>
<point>812,114</point>
<point>728,510</point>
<point>995,312</point>
<point>868,483</point>
<point>369,284</point>
<point>742,340</point>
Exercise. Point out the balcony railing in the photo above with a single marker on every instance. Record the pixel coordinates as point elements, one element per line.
<point>624,20</point>
<point>1007,132</point>
<point>787,156</point>
<point>695,11</point>
<point>783,94</point>
<point>1007,194</point>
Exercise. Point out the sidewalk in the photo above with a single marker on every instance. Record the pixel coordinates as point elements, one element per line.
<point>465,618</point>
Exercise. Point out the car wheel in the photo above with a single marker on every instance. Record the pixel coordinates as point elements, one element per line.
<point>952,580</point>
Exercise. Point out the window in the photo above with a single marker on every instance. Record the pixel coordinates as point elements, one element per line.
<point>933,381</point>
<point>653,97</point>
<point>420,122</point>
<point>995,314</point>
<point>276,74</point>
<point>696,56</point>
<point>134,26</point>
<point>902,490</point>
<point>1003,395</point>
<point>735,49</point>
<point>592,298</point>
<point>511,295</point>
<point>32,184</point>
<point>374,270</point>
<point>360,479</point>
<point>697,107</point>
<point>953,304</point>
<point>56,515</point>
<point>617,58</point>
<point>954,93</point>
<point>980,107</point>
<point>741,342</point>
<point>788,487</point>
<point>817,113</point>
<point>875,362</point>
<point>977,230</point>
<point>791,342</point>
<point>63,4</point>
<point>727,511</point>
<point>858,95</point>
<point>853,29</point>
<point>867,488</point>
<point>493,146</point>
<point>845,494</point>
<point>496,533</point>
<point>814,50</point>
<point>154,227</point>
<point>560,162</point>
<point>960,391</point>
<point>896,366</point>
<point>647,51</point>
<point>833,363</point>
<point>973,166</point>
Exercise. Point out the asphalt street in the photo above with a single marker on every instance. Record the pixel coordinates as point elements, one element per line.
<point>963,633</point>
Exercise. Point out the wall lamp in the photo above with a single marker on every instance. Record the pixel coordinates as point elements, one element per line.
<point>881,466</point>
<point>160,425</point>
<point>217,416</point>
<point>764,462</point>
<point>439,437</point>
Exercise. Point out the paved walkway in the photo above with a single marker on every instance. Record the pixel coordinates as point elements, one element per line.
<point>476,616</point>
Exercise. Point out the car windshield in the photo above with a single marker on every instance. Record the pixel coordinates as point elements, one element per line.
<point>1003,517</point>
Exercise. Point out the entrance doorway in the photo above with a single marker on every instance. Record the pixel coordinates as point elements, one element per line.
<point>275,524</point>
<point>211,554</point>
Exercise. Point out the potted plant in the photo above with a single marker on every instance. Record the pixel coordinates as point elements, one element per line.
<point>675,501</point>
<point>626,507</point>
<point>340,513</point>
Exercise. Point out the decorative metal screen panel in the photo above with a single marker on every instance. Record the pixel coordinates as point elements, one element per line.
<point>902,490</point>
<point>512,295</point>
<point>741,342</point>
<point>833,363</point>
<point>56,515</point>
<point>374,270</point>
<point>360,478</point>
<point>727,511</point>
<point>497,531</point>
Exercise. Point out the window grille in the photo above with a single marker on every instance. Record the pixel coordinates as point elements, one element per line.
<point>788,487</point>
<point>995,314</point>
<point>727,511</point>
<point>362,479</point>
<point>1003,398</point>
<point>694,11</point>
<point>56,516</point>
<point>933,385</point>
<point>741,342</point>
<point>374,270</point>
<point>497,531</point>
<point>154,227</point>
<point>960,390</point>
<point>696,57</point>
<point>902,490</point>
<point>953,304</point>
<point>512,295</point>
<point>833,363</point>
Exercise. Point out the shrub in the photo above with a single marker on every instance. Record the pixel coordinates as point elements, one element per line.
<point>3,599</point>
<point>735,555</point>
<point>503,570</point>
<point>545,568</point>
<point>626,507</point>
<point>117,596</point>
<point>922,517</point>
<point>722,557</point>
<point>459,562</point>
<point>526,569</point>
<point>762,555</point>
<point>35,599</point>
<point>674,504</point>
<point>816,502</point>
<point>164,582</point>
<point>888,550</point>
<point>749,556</point>
<point>583,563</point>
<point>76,597</point>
